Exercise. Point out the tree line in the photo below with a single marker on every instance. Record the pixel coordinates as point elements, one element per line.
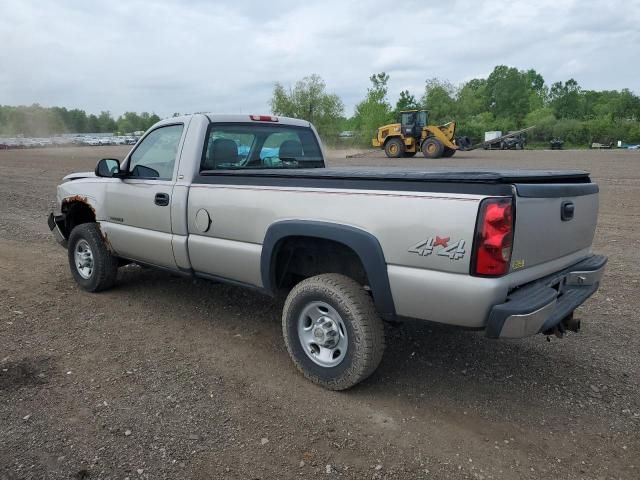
<point>508,99</point>
<point>38,121</point>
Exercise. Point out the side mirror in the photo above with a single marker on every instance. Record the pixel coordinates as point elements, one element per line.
<point>108,167</point>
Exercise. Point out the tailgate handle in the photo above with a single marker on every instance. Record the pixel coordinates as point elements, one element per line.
<point>567,210</point>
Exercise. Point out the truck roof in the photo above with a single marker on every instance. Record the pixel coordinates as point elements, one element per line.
<point>239,118</point>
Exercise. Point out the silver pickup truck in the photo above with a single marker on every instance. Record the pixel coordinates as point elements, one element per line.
<point>247,199</point>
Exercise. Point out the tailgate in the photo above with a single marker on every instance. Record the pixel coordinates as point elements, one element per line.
<point>552,221</point>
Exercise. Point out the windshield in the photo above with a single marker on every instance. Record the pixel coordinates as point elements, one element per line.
<point>258,145</point>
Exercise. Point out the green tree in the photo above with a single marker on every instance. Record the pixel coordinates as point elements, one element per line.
<point>93,125</point>
<point>309,100</point>
<point>544,121</point>
<point>36,120</point>
<point>374,111</point>
<point>77,121</point>
<point>472,98</point>
<point>406,101</point>
<point>538,91</point>
<point>106,123</point>
<point>129,122</point>
<point>508,93</point>
<point>567,99</point>
<point>439,100</point>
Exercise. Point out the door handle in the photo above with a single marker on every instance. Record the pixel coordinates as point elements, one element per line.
<point>162,199</point>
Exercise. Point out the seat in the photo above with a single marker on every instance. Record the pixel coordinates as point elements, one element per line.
<point>290,149</point>
<point>221,151</point>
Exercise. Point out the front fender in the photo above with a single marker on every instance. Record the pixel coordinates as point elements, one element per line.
<point>91,192</point>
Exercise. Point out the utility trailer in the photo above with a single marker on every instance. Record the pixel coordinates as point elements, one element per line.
<point>499,140</point>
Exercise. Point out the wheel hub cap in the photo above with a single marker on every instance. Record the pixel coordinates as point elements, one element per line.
<point>326,332</point>
<point>322,334</point>
<point>83,257</point>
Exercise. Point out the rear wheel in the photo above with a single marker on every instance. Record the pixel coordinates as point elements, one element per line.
<point>394,148</point>
<point>432,148</point>
<point>448,152</point>
<point>332,331</point>
<point>92,265</point>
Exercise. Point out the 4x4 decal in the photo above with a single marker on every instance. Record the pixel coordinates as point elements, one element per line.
<point>455,251</point>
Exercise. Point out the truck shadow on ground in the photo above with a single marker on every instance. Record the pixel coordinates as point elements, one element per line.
<point>423,362</point>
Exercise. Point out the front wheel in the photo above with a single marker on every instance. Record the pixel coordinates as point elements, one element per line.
<point>332,331</point>
<point>92,265</point>
<point>394,148</point>
<point>432,148</point>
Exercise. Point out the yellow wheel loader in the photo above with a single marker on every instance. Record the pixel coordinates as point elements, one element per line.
<point>412,134</point>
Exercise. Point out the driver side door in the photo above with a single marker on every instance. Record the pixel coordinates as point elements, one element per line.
<point>138,208</point>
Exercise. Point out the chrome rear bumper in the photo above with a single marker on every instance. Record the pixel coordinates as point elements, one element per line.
<point>542,305</point>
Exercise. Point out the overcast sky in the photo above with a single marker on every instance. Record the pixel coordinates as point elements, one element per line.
<point>169,56</point>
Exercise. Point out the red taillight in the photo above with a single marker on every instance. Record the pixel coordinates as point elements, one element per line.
<point>263,118</point>
<point>494,237</point>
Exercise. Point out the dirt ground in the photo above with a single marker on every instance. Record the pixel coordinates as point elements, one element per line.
<point>169,378</point>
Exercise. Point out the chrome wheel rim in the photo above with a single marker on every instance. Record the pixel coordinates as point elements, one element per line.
<point>83,257</point>
<point>323,334</point>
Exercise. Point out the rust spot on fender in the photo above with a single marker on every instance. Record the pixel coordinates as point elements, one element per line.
<point>83,200</point>
<point>105,238</point>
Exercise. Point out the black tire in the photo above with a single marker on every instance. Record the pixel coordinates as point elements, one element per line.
<point>432,148</point>
<point>410,154</point>
<point>448,152</point>
<point>463,143</point>
<point>394,148</point>
<point>104,266</point>
<point>364,330</point>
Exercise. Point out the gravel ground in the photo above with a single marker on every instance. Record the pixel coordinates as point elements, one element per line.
<point>164,377</point>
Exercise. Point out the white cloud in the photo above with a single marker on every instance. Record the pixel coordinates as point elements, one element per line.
<point>224,56</point>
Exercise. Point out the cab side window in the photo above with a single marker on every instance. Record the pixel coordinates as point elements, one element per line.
<point>156,155</point>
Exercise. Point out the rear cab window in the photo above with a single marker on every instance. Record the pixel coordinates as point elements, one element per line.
<point>237,146</point>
